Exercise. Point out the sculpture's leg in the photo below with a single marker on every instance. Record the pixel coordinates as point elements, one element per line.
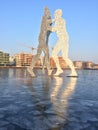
<point>68,61</point>
<point>43,64</point>
<point>36,57</point>
<point>70,64</point>
<point>47,60</point>
<point>55,52</point>
<point>30,68</point>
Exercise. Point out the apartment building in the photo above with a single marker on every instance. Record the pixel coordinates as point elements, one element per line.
<point>23,59</point>
<point>4,58</point>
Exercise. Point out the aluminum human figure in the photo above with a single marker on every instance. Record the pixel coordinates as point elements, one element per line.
<point>43,42</point>
<point>62,43</point>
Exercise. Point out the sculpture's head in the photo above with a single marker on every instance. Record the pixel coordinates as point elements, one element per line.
<point>58,13</point>
<point>47,12</point>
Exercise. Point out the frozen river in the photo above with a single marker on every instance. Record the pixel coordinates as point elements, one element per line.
<point>48,103</point>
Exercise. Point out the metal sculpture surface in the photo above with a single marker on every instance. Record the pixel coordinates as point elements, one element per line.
<point>62,43</point>
<point>43,42</point>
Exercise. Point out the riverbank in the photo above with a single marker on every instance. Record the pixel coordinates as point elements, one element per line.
<point>40,67</point>
<point>18,67</point>
<point>21,67</point>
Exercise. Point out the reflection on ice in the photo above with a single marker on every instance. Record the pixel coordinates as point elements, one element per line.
<point>48,103</point>
<point>60,96</point>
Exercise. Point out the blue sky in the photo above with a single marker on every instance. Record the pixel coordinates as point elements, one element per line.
<point>20,24</point>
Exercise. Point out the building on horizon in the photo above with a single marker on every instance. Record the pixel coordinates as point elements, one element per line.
<point>4,58</point>
<point>95,66</point>
<point>78,64</point>
<point>25,59</point>
<point>88,65</point>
